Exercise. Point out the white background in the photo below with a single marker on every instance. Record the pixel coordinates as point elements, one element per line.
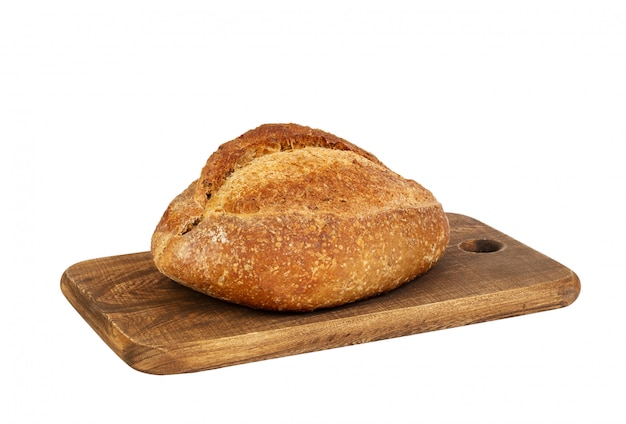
<point>510,112</point>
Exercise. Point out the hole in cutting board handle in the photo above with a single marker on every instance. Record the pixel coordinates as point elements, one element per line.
<point>481,245</point>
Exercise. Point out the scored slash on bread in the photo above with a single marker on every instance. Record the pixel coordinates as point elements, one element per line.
<point>286,217</point>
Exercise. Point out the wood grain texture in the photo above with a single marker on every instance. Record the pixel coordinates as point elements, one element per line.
<point>158,326</point>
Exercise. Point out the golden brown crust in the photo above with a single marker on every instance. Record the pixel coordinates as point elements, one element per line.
<point>263,140</point>
<point>290,218</point>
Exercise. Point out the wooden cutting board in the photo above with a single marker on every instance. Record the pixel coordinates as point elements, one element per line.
<point>158,326</point>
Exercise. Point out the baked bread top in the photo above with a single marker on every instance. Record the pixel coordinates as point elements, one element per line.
<point>287,217</point>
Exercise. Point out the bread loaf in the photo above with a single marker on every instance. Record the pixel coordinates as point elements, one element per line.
<point>291,218</point>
